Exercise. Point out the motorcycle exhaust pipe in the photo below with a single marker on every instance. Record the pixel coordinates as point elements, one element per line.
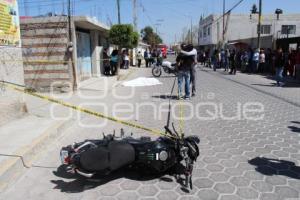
<point>87,175</point>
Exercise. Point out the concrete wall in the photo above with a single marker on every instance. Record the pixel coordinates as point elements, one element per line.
<point>11,65</point>
<point>45,54</point>
<point>12,104</point>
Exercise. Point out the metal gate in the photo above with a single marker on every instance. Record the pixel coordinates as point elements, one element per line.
<point>84,61</point>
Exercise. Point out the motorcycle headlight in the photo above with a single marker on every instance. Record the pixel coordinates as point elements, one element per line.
<point>163,155</point>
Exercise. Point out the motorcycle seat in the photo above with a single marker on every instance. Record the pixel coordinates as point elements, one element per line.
<point>134,141</point>
<point>115,155</point>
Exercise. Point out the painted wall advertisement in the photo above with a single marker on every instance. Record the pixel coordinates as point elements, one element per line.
<point>9,23</point>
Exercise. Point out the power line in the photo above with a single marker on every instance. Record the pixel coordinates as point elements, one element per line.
<point>145,12</point>
<point>134,14</point>
<point>227,12</point>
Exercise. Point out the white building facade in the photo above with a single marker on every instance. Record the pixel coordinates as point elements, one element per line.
<point>243,28</point>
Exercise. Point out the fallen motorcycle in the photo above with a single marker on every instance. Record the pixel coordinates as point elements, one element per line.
<point>167,67</point>
<point>111,153</point>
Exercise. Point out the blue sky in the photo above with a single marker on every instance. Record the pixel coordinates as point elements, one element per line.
<point>172,15</point>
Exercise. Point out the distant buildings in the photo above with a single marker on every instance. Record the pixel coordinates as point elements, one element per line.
<point>243,28</point>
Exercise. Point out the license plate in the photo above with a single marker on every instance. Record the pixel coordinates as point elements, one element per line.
<point>63,155</point>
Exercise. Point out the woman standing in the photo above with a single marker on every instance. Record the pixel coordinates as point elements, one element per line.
<point>114,61</point>
<point>126,60</point>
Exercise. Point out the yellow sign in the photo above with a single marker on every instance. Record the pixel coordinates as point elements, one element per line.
<point>9,23</point>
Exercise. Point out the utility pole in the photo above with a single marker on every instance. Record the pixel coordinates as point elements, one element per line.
<point>53,8</point>
<point>223,35</point>
<point>39,8</point>
<point>134,15</point>
<point>119,15</point>
<point>70,46</point>
<point>259,24</point>
<point>63,5</point>
<point>25,7</point>
<point>191,30</point>
<point>69,20</point>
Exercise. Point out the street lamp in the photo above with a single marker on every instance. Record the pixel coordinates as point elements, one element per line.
<point>158,23</point>
<point>254,11</point>
<point>156,27</point>
<point>278,12</point>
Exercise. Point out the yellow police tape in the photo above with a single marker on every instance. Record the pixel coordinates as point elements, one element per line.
<point>181,122</point>
<point>87,111</point>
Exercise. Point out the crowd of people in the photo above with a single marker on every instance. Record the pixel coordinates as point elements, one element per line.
<point>254,61</point>
<point>153,56</point>
<point>110,62</point>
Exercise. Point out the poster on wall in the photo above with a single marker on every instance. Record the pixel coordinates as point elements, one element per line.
<point>9,23</point>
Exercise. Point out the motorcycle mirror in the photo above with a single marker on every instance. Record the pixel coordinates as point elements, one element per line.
<point>169,132</point>
<point>175,130</point>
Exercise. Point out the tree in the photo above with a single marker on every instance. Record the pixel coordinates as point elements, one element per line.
<point>149,37</point>
<point>123,36</point>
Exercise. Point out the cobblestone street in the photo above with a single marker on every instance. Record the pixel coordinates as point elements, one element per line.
<point>239,158</point>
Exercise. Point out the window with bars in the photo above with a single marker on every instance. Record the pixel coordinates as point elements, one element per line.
<point>288,29</point>
<point>265,29</point>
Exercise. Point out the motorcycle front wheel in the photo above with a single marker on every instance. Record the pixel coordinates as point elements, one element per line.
<point>156,71</point>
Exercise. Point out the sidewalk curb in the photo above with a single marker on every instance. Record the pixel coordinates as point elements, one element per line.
<point>12,168</point>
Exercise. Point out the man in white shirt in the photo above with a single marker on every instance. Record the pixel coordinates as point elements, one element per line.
<point>262,60</point>
<point>255,61</point>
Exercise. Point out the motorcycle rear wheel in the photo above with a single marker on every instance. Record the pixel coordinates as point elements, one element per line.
<point>156,71</point>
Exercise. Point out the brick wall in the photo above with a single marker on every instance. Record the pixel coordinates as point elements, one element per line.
<point>45,56</point>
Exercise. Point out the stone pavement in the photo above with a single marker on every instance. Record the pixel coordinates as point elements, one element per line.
<point>239,158</point>
<point>266,84</point>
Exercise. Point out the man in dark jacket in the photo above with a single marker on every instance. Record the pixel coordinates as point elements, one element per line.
<point>185,61</point>
<point>146,57</point>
